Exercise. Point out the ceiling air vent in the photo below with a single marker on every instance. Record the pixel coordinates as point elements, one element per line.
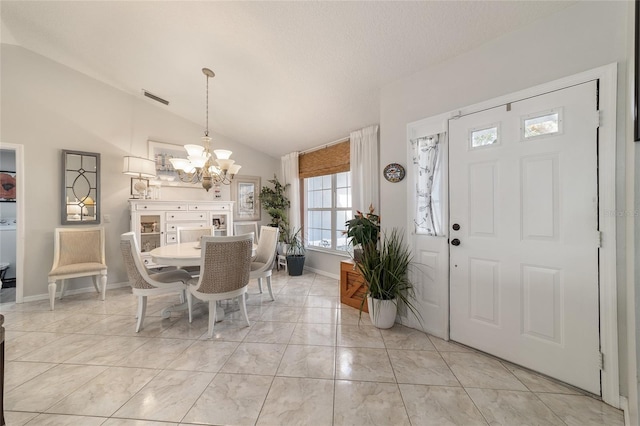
<point>154,97</point>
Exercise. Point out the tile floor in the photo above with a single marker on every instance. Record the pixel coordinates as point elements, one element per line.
<point>305,360</point>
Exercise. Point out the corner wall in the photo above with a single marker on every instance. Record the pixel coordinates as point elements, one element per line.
<point>582,37</point>
<point>48,107</point>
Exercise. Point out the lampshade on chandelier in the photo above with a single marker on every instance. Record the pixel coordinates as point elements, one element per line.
<point>199,166</point>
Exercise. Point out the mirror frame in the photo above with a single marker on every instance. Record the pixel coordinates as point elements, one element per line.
<point>64,216</point>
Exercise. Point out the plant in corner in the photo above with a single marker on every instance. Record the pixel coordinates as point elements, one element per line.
<point>363,230</point>
<point>385,272</point>
<point>295,252</point>
<point>276,203</point>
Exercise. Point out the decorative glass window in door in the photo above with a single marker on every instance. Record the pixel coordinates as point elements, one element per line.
<point>428,180</point>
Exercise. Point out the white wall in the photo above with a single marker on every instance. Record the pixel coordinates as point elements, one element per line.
<point>48,107</point>
<point>582,37</point>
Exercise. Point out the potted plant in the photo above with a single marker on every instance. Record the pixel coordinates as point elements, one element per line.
<point>276,204</point>
<point>295,252</point>
<point>385,272</point>
<point>363,230</point>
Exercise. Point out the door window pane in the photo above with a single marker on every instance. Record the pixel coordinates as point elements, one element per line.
<point>484,137</point>
<point>541,124</point>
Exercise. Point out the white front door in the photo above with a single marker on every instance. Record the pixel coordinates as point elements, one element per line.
<point>523,233</point>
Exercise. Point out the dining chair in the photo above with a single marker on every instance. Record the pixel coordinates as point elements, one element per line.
<point>77,252</point>
<point>225,267</point>
<point>188,234</point>
<point>262,265</point>
<point>240,228</point>
<point>144,284</point>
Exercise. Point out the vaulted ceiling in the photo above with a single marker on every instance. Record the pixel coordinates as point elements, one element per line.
<point>289,75</point>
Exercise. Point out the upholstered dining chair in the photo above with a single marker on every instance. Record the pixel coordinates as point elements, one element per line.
<point>187,234</point>
<point>225,267</point>
<point>144,284</point>
<point>78,252</point>
<point>240,228</point>
<point>262,265</point>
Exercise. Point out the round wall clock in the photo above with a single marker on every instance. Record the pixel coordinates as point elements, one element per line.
<point>394,172</point>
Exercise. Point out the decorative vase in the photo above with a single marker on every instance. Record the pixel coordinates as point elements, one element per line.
<point>382,312</point>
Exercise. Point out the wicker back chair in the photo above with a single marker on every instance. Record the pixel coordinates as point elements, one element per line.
<point>144,284</point>
<point>224,273</point>
<point>262,265</point>
<point>78,253</point>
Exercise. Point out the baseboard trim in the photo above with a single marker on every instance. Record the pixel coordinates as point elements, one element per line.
<point>39,297</point>
<point>624,406</point>
<point>323,273</point>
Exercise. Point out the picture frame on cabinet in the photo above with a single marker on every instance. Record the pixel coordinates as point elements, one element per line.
<point>245,192</point>
<point>160,153</point>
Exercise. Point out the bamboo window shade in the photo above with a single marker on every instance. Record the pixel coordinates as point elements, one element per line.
<point>325,161</point>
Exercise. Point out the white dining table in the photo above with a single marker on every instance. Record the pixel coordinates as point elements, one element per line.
<point>183,255</point>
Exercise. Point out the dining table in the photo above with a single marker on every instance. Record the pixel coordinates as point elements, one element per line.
<point>183,255</point>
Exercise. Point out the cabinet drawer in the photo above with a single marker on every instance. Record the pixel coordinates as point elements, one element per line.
<point>160,206</point>
<point>186,216</point>
<point>173,226</point>
<point>172,238</point>
<point>208,207</point>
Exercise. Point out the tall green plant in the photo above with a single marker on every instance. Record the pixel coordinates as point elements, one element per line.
<point>276,203</point>
<point>386,271</point>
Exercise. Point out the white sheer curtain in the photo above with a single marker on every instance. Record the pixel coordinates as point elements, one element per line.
<point>291,176</point>
<point>364,169</point>
<point>426,167</point>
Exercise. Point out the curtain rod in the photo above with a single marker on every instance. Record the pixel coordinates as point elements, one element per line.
<point>326,145</point>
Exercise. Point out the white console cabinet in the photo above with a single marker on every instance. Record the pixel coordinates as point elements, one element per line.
<point>155,222</point>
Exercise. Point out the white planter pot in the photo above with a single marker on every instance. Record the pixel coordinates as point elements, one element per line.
<point>382,312</point>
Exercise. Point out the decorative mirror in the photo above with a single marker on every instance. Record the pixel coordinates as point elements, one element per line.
<point>80,188</point>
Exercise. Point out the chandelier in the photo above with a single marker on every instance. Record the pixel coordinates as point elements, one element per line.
<point>199,165</point>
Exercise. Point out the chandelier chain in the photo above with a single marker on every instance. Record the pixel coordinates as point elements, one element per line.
<point>206,131</point>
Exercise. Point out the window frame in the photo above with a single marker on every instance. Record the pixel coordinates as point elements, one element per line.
<point>335,227</point>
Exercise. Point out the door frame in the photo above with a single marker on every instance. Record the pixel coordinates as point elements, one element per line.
<point>607,76</point>
<point>20,216</point>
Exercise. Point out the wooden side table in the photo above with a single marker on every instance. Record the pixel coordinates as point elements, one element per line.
<point>352,285</point>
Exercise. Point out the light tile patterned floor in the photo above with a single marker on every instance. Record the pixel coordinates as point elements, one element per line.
<point>305,360</point>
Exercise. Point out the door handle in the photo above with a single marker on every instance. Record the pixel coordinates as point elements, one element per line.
<point>455,242</point>
<point>456,227</point>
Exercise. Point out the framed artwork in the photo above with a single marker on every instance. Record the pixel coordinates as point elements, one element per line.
<point>7,186</point>
<point>160,153</point>
<point>245,191</point>
<point>135,180</point>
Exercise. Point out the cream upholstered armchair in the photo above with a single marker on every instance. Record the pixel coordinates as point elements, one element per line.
<point>225,266</point>
<point>144,284</point>
<point>78,252</point>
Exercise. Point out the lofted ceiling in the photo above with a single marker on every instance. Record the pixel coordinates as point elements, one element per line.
<point>289,75</point>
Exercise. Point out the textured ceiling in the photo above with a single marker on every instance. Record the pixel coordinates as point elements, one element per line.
<point>289,75</point>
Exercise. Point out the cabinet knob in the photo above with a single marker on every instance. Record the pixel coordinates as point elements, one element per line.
<point>145,207</point>
<point>195,208</point>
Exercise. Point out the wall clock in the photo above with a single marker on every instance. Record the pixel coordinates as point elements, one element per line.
<point>394,172</point>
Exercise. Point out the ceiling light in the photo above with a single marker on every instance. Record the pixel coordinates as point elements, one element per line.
<point>199,165</point>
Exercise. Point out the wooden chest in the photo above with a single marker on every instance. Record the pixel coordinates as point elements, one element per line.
<point>352,286</point>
